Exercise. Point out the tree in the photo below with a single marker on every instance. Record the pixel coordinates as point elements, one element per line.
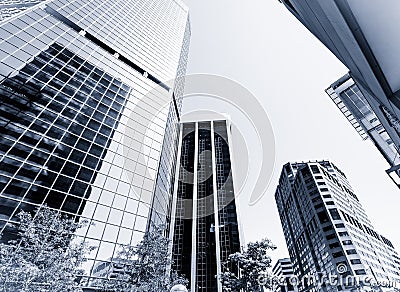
<point>253,264</point>
<point>45,257</point>
<point>145,267</point>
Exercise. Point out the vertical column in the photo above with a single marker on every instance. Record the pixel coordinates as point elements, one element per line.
<point>234,183</point>
<point>194,214</point>
<point>215,191</point>
<point>175,194</point>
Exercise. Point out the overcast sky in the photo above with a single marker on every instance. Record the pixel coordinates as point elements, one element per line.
<point>261,45</point>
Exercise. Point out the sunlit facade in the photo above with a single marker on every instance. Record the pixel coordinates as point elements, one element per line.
<point>328,232</point>
<point>206,228</point>
<point>86,109</point>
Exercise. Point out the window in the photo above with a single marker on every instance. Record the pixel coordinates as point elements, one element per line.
<point>331,236</point>
<point>323,217</point>
<point>335,214</point>
<point>355,262</point>
<point>315,169</point>
<point>337,254</point>
<point>319,205</point>
<point>351,251</point>
<point>334,245</point>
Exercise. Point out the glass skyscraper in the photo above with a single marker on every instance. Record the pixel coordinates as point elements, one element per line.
<point>328,232</point>
<point>206,228</point>
<point>88,117</point>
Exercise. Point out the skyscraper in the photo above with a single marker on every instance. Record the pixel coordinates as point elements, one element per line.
<point>86,111</point>
<point>328,232</point>
<point>283,272</point>
<point>370,119</point>
<point>364,38</point>
<point>206,228</point>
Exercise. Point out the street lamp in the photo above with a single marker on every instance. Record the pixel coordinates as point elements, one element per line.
<point>179,288</point>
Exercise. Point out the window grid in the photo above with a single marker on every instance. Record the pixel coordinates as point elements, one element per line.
<point>43,133</point>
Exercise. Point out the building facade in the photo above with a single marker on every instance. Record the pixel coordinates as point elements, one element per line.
<point>328,233</point>
<point>86,109</point>
<point>364,38</point>
<point>283,273</point>
<point>206,228</point>
<point>370,119</point>
<point>9,8</point>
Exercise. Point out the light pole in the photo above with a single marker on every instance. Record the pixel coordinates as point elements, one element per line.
<point>179,288</point>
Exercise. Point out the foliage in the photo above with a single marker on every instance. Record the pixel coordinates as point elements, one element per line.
<point>45,256</point>
<point>144,267</point>
<point>253,264</point>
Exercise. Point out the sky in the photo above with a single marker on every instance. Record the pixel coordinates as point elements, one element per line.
<point>260,45</point>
